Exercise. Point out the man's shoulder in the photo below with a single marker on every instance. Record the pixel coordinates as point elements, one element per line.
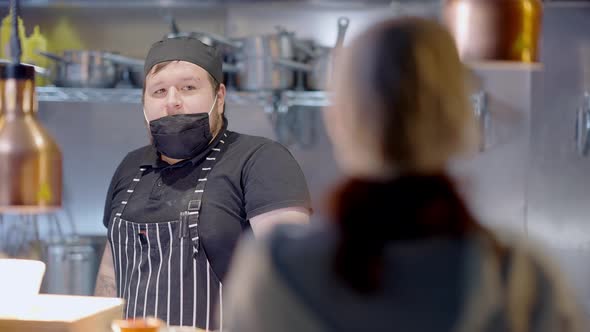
<point>132,161</point>
<point>251,144</point>
<point>246,140</point>
<point>139,154</point>
<point>136,157</point>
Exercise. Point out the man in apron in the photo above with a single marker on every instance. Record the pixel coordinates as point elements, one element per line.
<point>175,209</point>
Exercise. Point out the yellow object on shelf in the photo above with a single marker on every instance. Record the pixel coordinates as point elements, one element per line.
<point>5,31</point>
<point>29,45</point>
<point>36,42</point>
<point>64,36</point>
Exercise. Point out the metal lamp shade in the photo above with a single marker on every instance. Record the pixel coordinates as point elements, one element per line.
<point>30,160</point>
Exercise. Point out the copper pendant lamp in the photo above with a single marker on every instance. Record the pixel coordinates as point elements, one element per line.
<point>30,160</point>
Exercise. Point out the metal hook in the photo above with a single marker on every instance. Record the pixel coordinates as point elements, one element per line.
<point>583,127</point>
<point>482,114</point>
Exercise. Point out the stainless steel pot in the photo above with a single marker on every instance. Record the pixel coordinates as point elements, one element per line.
<point>83,69</point>
<point>258,68</point>
<point>257,60</point>
<point>133,67</point>
<point>319,68</point>
<point>72,265</point>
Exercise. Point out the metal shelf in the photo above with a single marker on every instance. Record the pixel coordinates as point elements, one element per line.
<point>279,100</point>
<point>282,99</point>
<point>303,98</point>
<point>199,4</point>
<point>88,95</point>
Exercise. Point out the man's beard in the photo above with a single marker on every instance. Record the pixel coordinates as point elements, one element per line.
<point>149,132</point>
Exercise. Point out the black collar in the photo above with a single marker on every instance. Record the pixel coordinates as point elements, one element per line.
<point>152,157</point>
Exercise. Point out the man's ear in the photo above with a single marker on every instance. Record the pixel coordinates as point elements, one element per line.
<point>221,99</point>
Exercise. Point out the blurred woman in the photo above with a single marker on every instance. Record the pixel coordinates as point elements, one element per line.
<point>400,250</point>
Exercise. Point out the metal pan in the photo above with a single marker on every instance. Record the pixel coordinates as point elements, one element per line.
<point>83,69</point>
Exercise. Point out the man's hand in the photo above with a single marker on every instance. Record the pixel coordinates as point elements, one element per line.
<point>106,286</point>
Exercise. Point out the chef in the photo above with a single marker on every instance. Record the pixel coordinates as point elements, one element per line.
<point>175,208</point>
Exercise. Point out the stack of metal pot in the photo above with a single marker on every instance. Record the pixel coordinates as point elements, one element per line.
<point>267,62</point>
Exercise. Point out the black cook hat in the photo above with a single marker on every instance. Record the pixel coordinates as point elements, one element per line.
<point>187,49</point>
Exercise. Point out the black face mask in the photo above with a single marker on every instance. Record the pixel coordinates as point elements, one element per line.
<point>181,136</point>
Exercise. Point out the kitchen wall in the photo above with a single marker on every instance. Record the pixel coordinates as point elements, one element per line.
<point>559,178</point>
<point>129,31</point>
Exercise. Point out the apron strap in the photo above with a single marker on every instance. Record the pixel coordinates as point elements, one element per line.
<point>189,218</point>
<point>129,193</point>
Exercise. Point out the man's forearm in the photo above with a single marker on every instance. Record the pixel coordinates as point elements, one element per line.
<point>106,284</point>
<point>264,223</point>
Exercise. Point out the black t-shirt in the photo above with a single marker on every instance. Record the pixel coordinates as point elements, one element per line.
<point>255,175</point>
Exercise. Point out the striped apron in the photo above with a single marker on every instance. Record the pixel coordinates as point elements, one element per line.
<point>161,268</point>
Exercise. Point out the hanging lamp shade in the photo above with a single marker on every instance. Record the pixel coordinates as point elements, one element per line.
<point>30,160</point>
<point>495,30</point>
